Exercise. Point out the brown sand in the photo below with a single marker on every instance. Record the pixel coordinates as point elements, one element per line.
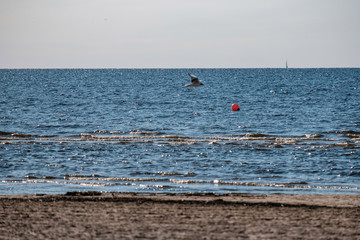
<point>93,215</point>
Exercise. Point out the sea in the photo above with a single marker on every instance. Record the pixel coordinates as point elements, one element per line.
<point>143,131</point>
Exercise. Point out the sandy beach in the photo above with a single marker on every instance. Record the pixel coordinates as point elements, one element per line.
<point>93,215</point>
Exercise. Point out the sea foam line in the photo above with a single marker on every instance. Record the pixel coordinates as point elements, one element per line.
<point>119,181</point>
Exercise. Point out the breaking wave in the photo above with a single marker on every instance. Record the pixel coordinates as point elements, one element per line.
<point>343,138</point>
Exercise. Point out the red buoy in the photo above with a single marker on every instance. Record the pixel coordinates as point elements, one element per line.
<point>235,107</point>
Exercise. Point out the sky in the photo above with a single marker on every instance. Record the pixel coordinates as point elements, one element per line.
<point>179,33</point>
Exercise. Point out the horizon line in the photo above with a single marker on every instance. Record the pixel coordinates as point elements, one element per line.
<point>289,68</point>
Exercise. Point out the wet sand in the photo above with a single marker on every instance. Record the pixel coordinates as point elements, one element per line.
<point>93,215</point>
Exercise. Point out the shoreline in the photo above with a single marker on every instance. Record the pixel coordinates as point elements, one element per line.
<point>87,215</point>
<point>311,200</point>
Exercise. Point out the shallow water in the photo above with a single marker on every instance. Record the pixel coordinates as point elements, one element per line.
<point>141,130</point>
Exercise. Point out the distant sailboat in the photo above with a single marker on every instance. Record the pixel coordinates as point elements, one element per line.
<point>286,65</point>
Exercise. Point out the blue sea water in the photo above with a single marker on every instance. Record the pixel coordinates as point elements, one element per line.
<point>142,130</point>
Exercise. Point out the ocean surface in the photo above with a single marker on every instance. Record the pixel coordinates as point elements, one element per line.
<point>142,130</point>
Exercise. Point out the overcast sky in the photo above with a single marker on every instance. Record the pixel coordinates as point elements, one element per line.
<point>179,33</point>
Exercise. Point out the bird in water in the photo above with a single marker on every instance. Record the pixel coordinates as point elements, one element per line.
<point>195,82</point>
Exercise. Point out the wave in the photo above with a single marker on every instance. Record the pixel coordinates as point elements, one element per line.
<point>347,139</point>
<point>94,180</point>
